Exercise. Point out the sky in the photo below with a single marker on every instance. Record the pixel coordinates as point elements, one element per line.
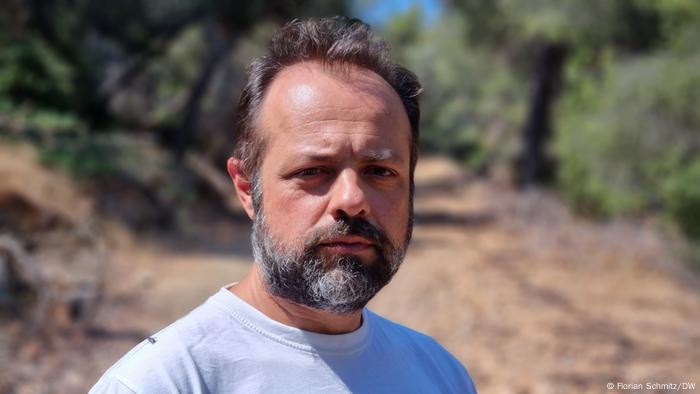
<point>376,12</point>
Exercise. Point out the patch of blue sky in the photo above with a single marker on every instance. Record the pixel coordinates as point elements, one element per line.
<point>378,12</point>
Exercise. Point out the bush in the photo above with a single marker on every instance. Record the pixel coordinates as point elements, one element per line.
<point>473,104</point>
<point>31,71</point>
<point>82,156</point>
<point>682,197</point>
<point>622,137</point>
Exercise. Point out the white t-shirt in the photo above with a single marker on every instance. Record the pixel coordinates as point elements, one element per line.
<point>227,346</point>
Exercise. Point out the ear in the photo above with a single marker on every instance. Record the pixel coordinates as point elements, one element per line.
<point>242,185</point>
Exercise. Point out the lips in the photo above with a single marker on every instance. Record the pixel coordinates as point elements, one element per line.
<point>347,244</point>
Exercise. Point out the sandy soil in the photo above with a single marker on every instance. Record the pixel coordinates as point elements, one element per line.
<point>529,298</point>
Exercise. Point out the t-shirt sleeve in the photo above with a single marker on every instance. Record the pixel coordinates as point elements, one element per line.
<point>109,384</point>
<point>453,370</point>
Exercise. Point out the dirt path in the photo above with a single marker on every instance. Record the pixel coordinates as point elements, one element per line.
<point>529,298</point>
<point>535,301</point>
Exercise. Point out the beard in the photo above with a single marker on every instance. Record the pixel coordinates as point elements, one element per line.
<point>336,283</point>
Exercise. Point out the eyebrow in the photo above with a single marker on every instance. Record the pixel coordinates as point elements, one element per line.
<point>381,155</point>
<point>368,156</point>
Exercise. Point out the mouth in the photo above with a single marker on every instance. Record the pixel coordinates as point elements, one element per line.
<point>348,244</point>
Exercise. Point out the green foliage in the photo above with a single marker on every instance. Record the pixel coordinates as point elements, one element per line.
<point>628,124</point>
<point>86,156</point>
<point>620,138</point>
<point>80,155</point>
<point>162,88</point>
<point>477,64</point>
<point>36,124</point>
<point>682,196</point>
<point>30,71</point>
<point>630,24</point>
<point>471,101</point>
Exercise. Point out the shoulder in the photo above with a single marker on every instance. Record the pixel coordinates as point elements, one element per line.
<point>110,385</point>
<point>151,366</point>
<point>424,351</point>
<point>165,360</point>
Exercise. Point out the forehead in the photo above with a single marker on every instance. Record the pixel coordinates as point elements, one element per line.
<point>315,103</point>
<point>303,82</point>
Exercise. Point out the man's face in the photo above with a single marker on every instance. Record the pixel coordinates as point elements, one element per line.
<point>332,219</point>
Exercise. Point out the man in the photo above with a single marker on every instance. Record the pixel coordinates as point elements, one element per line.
<point>323,164</point>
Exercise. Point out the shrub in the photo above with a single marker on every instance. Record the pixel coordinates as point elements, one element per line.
<point>621,138</point>
<point>682,197</point>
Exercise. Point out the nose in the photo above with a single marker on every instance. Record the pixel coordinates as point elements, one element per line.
<point>347,196</point>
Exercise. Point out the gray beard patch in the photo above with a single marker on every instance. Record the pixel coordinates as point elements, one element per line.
<point>340,283</point>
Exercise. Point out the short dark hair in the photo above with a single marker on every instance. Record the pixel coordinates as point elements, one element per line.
<point>333,41</point>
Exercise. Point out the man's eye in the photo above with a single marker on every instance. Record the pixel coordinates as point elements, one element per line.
<point>381,171</point>
<point>308,172</point>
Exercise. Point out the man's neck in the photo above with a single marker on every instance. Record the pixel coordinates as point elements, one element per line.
<point>252,290</point>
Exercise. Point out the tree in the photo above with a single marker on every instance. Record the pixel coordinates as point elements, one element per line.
<point>548,32</point>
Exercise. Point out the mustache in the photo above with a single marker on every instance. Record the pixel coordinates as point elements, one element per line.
<point>348,226</point>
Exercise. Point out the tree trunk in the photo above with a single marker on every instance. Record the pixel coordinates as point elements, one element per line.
<point>534,167</point>
<point>219,45</point>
